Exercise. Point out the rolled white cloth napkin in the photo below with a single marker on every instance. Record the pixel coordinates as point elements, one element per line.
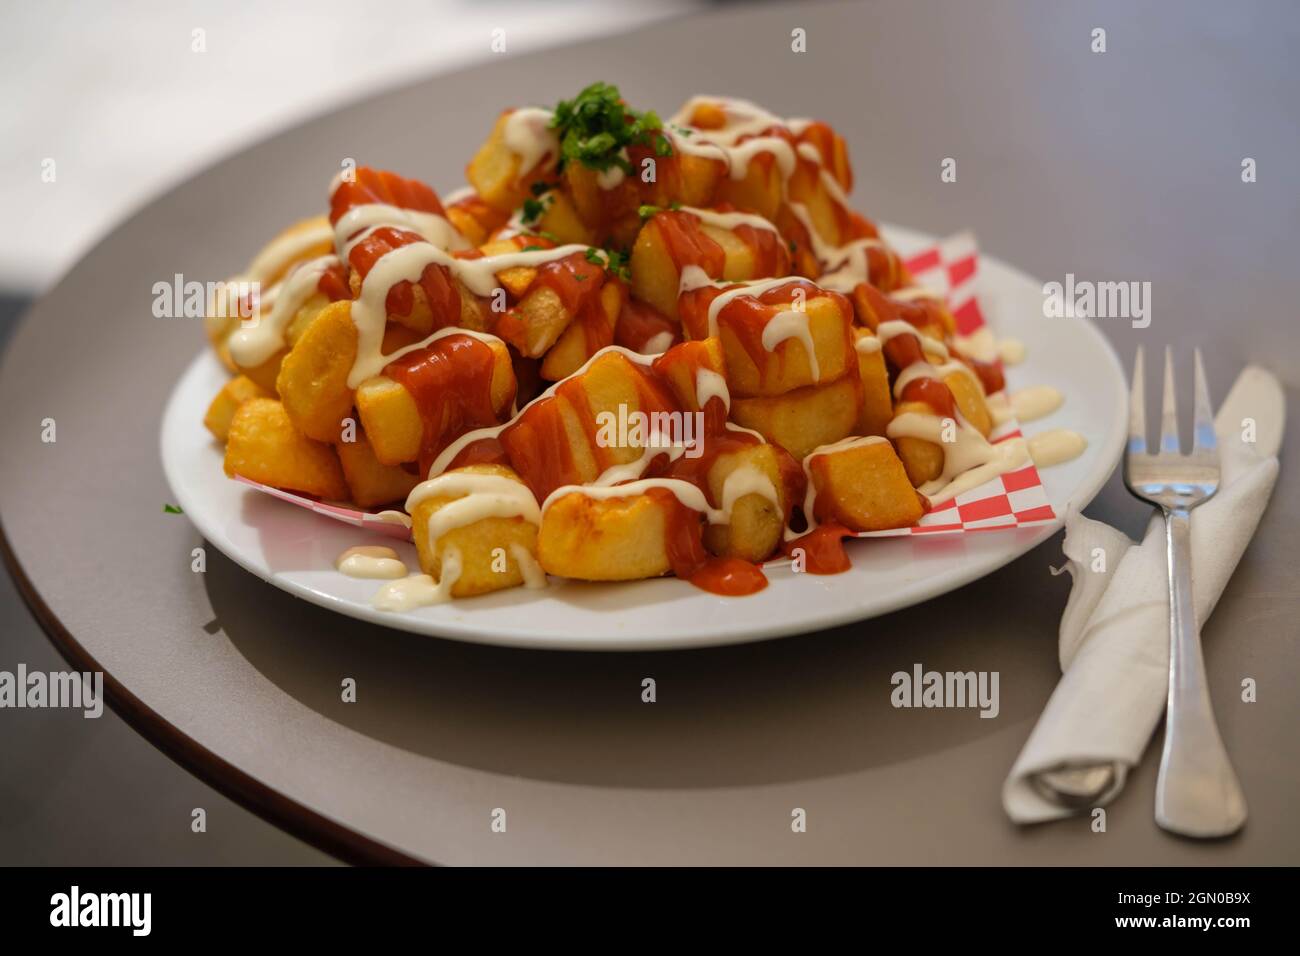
<point>1114,642</point>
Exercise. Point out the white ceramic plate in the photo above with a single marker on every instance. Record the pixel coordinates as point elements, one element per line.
<point>295,549</point>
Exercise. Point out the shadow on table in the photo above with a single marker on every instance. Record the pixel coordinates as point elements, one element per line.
<point>790,709</point>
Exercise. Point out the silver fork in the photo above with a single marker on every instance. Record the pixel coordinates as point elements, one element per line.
<point>1197,793</point>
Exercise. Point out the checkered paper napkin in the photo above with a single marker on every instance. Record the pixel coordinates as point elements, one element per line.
<point>1014,500</point>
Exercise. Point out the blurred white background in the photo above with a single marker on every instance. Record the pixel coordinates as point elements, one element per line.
<point>120,98</point>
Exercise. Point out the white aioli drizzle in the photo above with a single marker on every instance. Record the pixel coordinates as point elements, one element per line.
<point>968,461</point>
<point>658,343</point>
<point>867,344</point>
<point>792,324</point>
<point>1037,401</point>
<point>528,135</point>
<point>370,561</point>
<point>285,250</point>
<point>1011,351</point>
<point>448,454</point>
<point>685,492</point>
<point>252,345</point>
<point>753,288</point>
<point>420,590</point>
<point>407,264</point>
<point>477,496</point>
<point>709,384</point>
<point>360,221</point>
<point>1056,446</point>
<point>728,220</point>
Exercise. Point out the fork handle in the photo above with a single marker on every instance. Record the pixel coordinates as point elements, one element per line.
<point>1197,793</point>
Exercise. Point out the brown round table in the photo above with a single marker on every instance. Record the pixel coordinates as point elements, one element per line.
<point>1117,165</point>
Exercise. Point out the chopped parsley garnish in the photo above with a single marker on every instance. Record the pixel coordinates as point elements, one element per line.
<point>540,187</point>
<point>532,248</point>
<point>595,127</point>
<point>532,210</point>
<point>614,262</point>
<point>649,212</point>
<point>172,509</point>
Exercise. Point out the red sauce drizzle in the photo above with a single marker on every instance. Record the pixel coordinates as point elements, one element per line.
<point>451,382</point>
<point>823,549</point>
<point>380,186</point>
<point>639,323</point>
<point>732,577</point>
<point>439,288</point>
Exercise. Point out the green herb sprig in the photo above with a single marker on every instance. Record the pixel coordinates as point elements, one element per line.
<point>596,126</point>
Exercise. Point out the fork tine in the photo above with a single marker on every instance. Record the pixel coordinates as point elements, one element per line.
<point>1169,408</point>
<point>1203,437</point>
<point>1137,414</point>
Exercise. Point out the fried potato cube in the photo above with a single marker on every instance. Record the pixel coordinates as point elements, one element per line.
<point>614,387</point>
<point>694,180</point>
<point>489,548</point>
<point>877,402</point>
<point>969,396</point>
<point>222,410</point>
<point>754,371</point>
<point>611,214</point>
<point>922,459</point>
<point>370,481</point>
<point>392,420</point>
<point>605,539</point>
<point>561,220</point>
<point>264,446</point>
<point>757,522</point>
<point>805,418</point>
<point>313,379</point>
<point>864,487</point>
<point>474,219</point>
<point>687,365</point>
<point>548,445</point>
<point>535,324</point>
<point>742,261</point>
<point>655,277</point>
<point>495,172</point>
<point>760,190</point>
<point>822,210</point>
<point>516,279</point>
<point>583,339</point>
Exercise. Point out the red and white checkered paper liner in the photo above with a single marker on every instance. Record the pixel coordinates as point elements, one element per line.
<point>1013,500</point>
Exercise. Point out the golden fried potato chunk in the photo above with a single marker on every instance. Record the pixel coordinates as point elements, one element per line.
<point>222,410</point>
<point>391,418</point>
<point>969,396</point>
<point>605,539</point>
<point>313,379</point>
<point>655,276</point>
<point>767,348</point>
<point>752,477</point>
<point>394,423</point>
<point>922,459</point>
<point>495,551</point>
<point>801,420</point>
<point>265,446</point>
<point>370,481</point>
<point>587,336</point>
<point>864,487</point>
<point>877,402</point>
<point>760,190</point>
<point>496,171</point>
<point>689,367</point>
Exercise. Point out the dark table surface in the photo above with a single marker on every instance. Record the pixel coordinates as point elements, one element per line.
<point>1121,165</point>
